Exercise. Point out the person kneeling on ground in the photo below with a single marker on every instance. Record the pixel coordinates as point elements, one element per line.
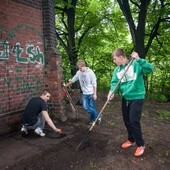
<point>36,114</point>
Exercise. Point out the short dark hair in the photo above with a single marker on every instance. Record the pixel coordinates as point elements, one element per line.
<point>119,52</point>
<point>45,91</point>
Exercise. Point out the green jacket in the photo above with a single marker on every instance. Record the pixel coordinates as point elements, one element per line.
<point>132,85</point>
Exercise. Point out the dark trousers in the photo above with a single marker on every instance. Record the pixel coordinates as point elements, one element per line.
<point>131,110</point>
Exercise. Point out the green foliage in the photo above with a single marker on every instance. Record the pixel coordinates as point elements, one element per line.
<point>110,123</point>
<point>92,165</point>
<point>156,97</point>
<point>100,27</point>
<point>163,114</point>
<point>66,67</point>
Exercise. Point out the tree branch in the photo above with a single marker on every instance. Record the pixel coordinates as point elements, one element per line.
<point>125,8</point>
<point>61,41</point>
<point>136,4</point>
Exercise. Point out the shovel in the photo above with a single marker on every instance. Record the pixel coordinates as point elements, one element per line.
<point>73,107</point>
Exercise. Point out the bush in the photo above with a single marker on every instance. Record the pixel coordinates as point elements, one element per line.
<point>157,97</point>
<point>163,114</point>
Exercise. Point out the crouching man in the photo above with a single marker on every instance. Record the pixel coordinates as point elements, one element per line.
<point>36,114</point>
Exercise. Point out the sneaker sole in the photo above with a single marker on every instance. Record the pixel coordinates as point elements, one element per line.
<point>128,146</point>
<point>39,135</point>
<point>139,154</point>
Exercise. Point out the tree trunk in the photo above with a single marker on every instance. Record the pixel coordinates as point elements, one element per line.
<point>138,30</point>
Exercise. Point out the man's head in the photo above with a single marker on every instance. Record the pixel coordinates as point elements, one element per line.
<point>45,95</point>
<point>81,65</point>
<point>119,56</point>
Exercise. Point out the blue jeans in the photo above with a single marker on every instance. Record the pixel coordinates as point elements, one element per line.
<point>90,106</point>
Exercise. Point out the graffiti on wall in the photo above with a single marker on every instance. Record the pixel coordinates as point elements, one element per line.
<point>21,62</point>
<point>34,54</point>
<point>21,83</point>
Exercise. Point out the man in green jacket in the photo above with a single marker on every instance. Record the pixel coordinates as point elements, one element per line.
<point>132,89</point>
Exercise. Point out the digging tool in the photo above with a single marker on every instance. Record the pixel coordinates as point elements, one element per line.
<point>74,109</point>
<point>100,113</point>
<point>61,135</point>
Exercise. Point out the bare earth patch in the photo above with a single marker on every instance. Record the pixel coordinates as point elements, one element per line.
<point>102,150</point>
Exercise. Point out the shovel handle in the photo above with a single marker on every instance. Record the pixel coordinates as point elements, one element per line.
<point>101,111</point>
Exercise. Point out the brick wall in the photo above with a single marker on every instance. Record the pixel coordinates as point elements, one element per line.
<point>27,64</point>
<point>53,71</point>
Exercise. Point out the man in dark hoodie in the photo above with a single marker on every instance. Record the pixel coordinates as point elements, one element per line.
<point>132,89</point>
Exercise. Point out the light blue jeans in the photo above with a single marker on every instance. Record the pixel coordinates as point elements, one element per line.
<point>40,123</point>
<point>90,106</point>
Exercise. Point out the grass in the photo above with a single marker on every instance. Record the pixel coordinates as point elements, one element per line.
<point>163,114</point>
<point>92,165</point>
<point>110,123</point>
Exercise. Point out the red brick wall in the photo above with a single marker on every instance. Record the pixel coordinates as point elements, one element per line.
<point>23,61</point>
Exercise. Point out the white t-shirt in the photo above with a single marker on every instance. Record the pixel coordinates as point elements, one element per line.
<point>87,80</point>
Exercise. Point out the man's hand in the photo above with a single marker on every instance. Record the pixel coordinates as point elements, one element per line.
<point>61,135</point>
<point>58,130</point>
<point>64,85</point>
<point>67,84</point>
<point>110,96</point>
<point>95,96</point>
<point>135,56</point>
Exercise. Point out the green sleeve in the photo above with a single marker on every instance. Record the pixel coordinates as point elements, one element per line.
<point>145,66</point>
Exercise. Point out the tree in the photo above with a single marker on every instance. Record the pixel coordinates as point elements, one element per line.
<point>74,21</point>
<point>92,29</point>
<point>66,33</point>
<point>137,16</point>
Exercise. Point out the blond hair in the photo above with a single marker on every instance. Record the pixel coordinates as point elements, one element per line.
<point>81,63</point>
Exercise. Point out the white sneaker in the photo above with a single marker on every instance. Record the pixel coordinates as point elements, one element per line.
<point>100,119</point>
<point>39,132</point>
<point>24,130</point>
<point>91,123</point>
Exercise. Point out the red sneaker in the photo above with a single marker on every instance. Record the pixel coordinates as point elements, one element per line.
<point>140,151</point>
<point>127,144</point>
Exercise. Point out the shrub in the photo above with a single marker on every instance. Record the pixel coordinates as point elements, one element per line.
<point>156,97</point>
<point>163,114</point>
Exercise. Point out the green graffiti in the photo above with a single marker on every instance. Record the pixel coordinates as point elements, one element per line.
<point>18,52</point>
<point>4,50</point>
<point>25,84</point>
<point>35,57</point>
<point>18,69</point>
<point>5,81</point>
<point>19,27</point>
<point>21,84</point>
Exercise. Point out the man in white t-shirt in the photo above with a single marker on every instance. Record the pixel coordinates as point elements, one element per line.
<point>88,84</point>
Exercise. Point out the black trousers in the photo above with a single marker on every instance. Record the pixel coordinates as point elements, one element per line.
<point>131,111</point>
